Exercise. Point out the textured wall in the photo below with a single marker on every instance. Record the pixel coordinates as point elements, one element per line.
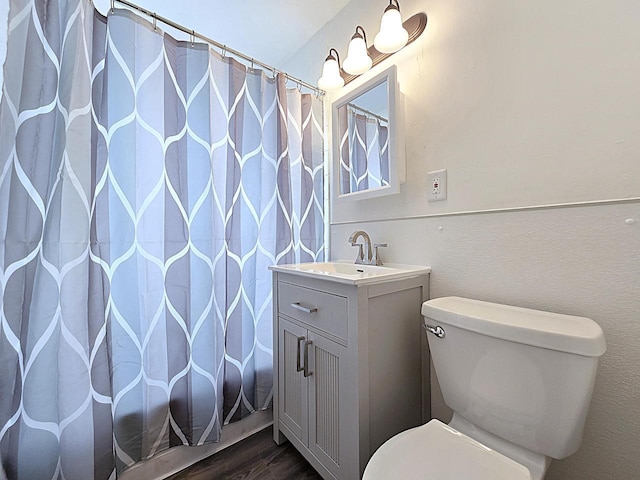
<point>579,261</point>
<point>525,104</point>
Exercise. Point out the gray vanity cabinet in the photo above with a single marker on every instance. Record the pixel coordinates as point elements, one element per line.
<point>348,367</point>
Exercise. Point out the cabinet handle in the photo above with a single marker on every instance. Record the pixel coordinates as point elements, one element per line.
<point>307,372</point>
<point>297,306</point>
<point>298,366</point>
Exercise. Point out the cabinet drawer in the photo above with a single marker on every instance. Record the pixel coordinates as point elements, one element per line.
<point>324,311</point>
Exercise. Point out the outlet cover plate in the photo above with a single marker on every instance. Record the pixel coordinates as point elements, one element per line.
<point>437,185</point>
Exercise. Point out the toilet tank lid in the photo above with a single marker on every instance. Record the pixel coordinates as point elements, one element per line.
<point>565,333</point>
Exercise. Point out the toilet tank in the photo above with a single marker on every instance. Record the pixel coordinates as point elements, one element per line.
<point>524,375</point>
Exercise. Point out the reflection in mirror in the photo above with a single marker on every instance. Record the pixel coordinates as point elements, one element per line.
<point>366,138</point>
<point>363,125</point>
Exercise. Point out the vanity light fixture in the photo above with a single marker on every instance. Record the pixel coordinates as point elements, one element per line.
<point>392,35</point>
<point>358,60</point>
<point>331,78</point>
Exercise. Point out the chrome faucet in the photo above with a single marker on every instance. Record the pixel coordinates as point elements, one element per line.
<point>360,259</point>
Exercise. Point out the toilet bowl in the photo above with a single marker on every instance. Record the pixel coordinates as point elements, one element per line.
<point>519,382</point>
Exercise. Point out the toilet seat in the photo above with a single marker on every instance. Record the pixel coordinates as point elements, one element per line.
<point>435,451</point>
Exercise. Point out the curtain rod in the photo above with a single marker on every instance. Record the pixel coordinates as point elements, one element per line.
<point>222,47</point>
<point>364,110</point>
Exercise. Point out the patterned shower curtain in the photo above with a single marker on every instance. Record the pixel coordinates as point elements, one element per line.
<point>364,151</point>
<point>145,186</point>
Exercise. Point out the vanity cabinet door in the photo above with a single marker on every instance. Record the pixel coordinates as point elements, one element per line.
<point>327,387</point>
<point>292,387</point>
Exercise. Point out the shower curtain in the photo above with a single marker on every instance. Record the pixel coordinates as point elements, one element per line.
<point>145,186</point>
<point>367,154</point>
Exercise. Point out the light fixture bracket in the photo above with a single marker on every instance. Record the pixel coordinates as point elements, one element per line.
<point>331,57</point>
<point>358,34</point>
<point>392,6</point>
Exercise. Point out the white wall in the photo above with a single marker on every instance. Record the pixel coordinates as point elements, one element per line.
<point>525,104</point>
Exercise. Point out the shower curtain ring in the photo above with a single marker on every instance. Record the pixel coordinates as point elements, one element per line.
<point>273,71</point>
<point>192,37</point>
<point>155,22</point>
<point>252,61</point>
<point>113,4</point>
<point>224,51</point>
<point>299,87</point>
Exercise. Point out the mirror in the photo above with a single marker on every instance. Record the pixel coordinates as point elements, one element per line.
<point>367,159</point>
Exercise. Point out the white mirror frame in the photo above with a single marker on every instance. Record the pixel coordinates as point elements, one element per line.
<point>397,163</point>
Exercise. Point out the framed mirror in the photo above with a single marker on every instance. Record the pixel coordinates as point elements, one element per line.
<point>366,136</point>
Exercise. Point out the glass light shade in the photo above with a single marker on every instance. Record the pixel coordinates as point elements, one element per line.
<point>392,35</point>
<point>358,60</point>
<point>330,79</point>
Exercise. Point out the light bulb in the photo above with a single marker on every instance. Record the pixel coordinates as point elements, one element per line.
<point>358,60</point>
<point>392,35</point>
<point>331,78</point>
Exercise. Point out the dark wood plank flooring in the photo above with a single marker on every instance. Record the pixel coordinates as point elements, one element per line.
<point>255,458</point>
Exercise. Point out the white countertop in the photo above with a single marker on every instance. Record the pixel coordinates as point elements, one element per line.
<point>352,274</point>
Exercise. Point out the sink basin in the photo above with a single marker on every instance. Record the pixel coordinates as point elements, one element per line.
<point>351,273</point>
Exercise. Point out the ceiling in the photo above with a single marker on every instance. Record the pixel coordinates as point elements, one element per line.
<point>268,30</point>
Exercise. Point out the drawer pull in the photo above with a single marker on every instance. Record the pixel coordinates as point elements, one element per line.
<point>307,372</point>
<point>298,366</point>
<point>304,309</point>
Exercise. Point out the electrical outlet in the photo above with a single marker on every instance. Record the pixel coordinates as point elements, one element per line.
<point>437,185</point>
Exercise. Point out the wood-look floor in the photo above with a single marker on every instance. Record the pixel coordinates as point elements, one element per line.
<point>255,458</point>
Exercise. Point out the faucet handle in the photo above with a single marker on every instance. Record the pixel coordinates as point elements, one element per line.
<point>360,257</point>
<point>376,253</point>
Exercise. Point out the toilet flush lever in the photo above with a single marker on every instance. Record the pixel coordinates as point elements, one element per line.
<point>437,330</point>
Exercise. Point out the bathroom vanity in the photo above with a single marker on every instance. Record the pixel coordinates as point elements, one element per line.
<point>350,360</point>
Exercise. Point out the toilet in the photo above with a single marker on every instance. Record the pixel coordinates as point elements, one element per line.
<point>519,382</point>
